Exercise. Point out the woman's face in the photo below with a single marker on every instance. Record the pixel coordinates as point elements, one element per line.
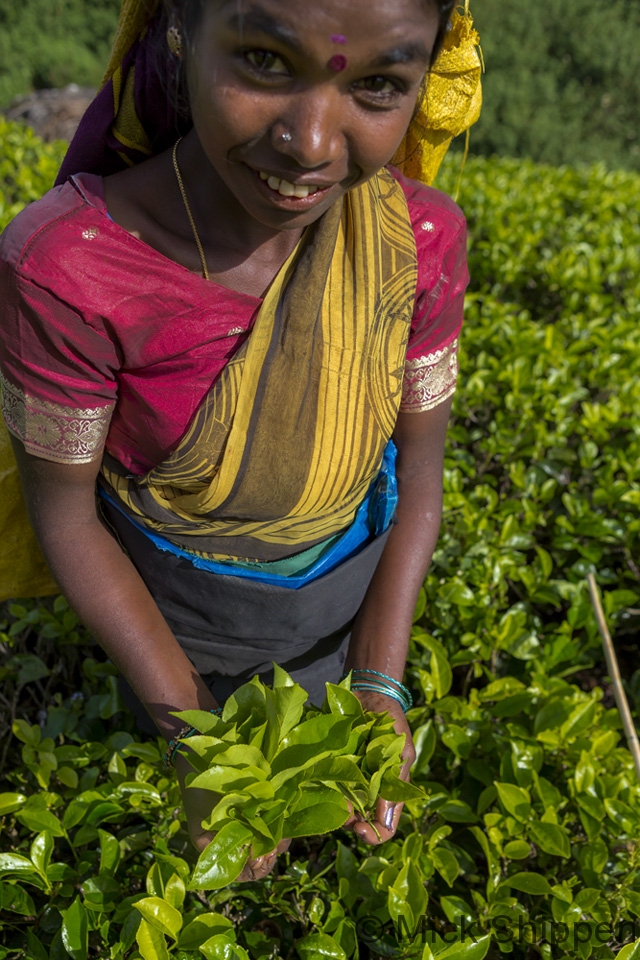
<point>296,101</point>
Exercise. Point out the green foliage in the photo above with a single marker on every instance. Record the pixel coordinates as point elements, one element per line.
<point>50,43</point>
<point>28,167</point>
<point>527,841</point>
<point>561,82</point>
<point>278,770</point>
<point>542,478</point>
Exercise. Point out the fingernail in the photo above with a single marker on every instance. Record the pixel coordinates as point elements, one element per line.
<point>388,817</point>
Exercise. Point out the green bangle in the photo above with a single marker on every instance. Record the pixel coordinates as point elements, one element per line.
<point>185,733</point>
<point>385,691</point>
<point>383,681</point>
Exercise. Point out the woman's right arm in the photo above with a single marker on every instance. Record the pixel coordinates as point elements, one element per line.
<point>106,590</point>
<point>110,597</point>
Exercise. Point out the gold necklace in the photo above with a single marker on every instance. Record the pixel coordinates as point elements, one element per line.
<point>183,193</point>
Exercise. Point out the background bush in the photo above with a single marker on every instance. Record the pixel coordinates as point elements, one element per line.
<point>529,836</point>
<point>50,43</point>
<point>562,84</point>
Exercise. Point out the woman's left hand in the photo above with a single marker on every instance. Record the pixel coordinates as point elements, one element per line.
<point>387,813</point>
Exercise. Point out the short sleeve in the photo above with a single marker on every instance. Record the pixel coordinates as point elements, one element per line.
<point>431,365</point>
<point>57,373</point>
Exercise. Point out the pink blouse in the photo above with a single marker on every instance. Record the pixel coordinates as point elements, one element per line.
<point>106,342</point>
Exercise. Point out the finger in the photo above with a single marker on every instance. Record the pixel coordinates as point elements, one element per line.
<point>383,827</point>
<point>388,815</point>
<point>257,868</point>
<point>201,840</point>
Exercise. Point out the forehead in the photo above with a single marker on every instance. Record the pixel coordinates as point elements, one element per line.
<point>366,22</point>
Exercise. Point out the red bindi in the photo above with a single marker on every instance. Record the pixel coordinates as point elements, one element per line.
<point>338,62</point>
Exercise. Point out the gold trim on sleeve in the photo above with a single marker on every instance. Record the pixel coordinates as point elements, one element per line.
<point>53,431</point>
<point>429,380</point>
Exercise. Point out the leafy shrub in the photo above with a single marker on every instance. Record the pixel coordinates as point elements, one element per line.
<point>45,44</point>
<point>28,168</point>
<point>527,843</point>
<point>561,83</point>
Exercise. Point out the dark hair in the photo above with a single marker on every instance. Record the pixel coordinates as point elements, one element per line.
<point>445,9</point>
<point>185,15</point>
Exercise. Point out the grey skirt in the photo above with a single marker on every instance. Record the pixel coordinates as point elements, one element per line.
<point>232,628</point>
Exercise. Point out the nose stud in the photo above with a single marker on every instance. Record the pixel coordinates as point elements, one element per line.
<point>286,137</point>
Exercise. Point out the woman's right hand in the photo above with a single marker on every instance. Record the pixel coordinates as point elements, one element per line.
<point>197,807</point>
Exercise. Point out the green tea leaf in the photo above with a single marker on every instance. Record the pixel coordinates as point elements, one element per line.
<point>407,893</point>
<point>424,741</point>
<point>533,883</point>
<point>397,790</point>
<point>630,952</point>
<point>35,949</point>
<point>220,947</point>
<point>41,850</point>
<point>579,720</point>
<point>289,703</point>
<point>222,860</point>
<point>109,853</point>
<point>151,942</point>
<point>550,838</point>
<point>342,769</point>
<point>75,930</point>
<point>316,945</point>
<point>203,928</point>
<point>457,811</point>
<point>342,702</point>
<point>472,949</point>
<point>15,863</point>
<point>314,820</point>
<point>517,850</point>
<point>10,802</point>
<point>313,740</point>
<point>16,900</point>
<point>161,915</point>
<point>37,819</point>
<point>446,864</point>
<point>514,799</point>
<point>227,779</point>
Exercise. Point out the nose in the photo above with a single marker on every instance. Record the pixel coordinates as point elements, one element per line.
<point>311,130</point>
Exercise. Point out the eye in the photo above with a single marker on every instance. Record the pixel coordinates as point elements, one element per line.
<point>379,88</point>
<point>266,62</point>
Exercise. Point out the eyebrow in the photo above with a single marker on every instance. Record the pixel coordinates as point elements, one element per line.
<point>259,21</point>
<point>408,53</point>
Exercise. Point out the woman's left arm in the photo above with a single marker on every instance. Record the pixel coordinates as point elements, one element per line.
<point>380,635</point>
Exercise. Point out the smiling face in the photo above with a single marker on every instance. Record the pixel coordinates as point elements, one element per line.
<point>286,132</point>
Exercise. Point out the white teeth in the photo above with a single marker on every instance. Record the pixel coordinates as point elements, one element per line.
<point>287,189</point>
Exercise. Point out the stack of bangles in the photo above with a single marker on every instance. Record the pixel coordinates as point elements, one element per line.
<point>185,733</point>
<point>365,679</point>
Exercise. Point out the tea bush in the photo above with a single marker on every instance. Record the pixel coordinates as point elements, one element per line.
<point>527,842</point>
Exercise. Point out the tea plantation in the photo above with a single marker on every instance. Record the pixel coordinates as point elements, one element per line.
<point>526,842</point>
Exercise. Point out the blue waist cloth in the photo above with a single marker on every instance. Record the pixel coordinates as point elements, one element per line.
<point>372,518</point>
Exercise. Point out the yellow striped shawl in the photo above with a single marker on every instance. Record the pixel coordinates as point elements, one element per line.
<point>282,450</point>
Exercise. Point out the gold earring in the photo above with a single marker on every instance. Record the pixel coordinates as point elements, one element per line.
<point>174,41</point>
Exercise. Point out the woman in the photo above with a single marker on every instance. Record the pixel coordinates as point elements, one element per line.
<point>217,338</point>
